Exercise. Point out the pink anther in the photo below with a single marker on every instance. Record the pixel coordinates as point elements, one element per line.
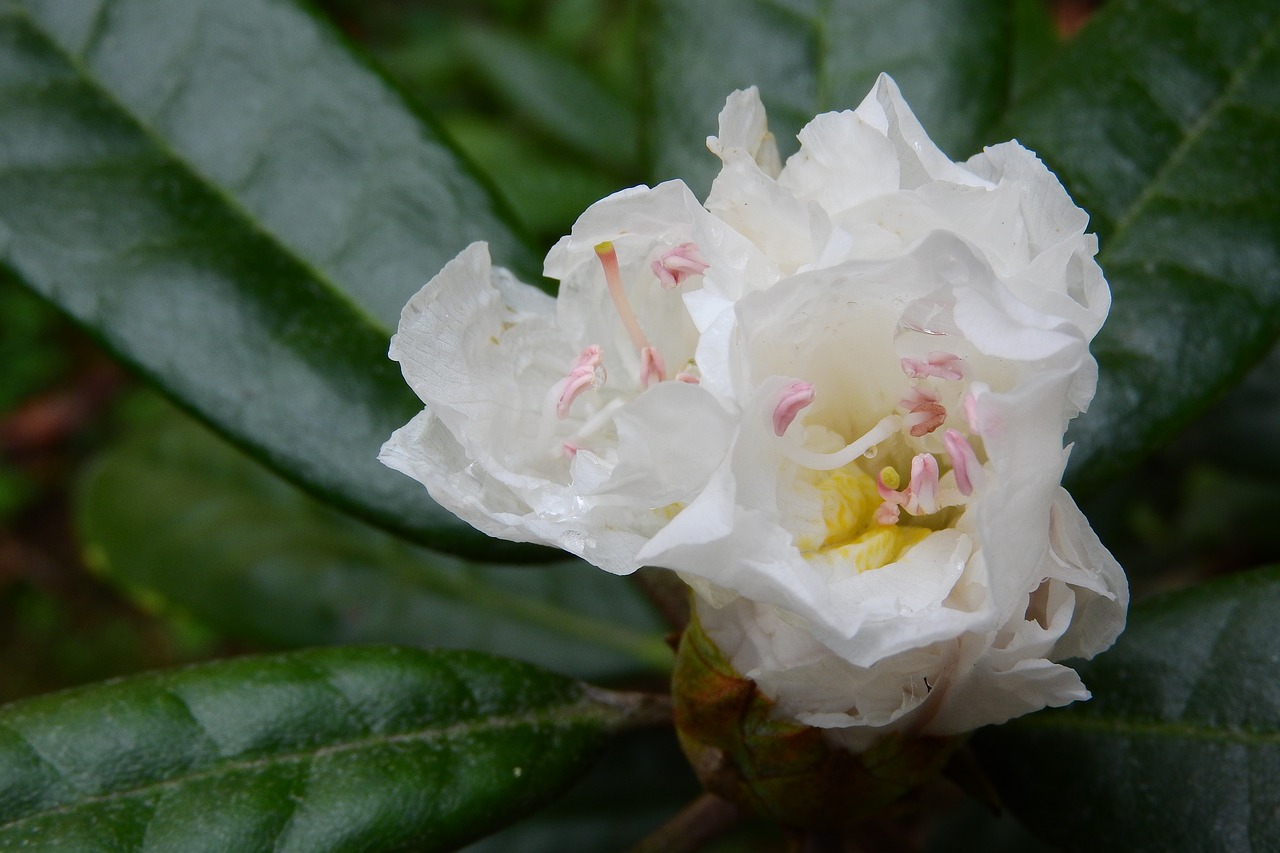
<point>924,411</point>
<point>678,264</point>
<point>923,497</point>
<point>918,498</point>
<point>795,396</point>
<point>652,367</point>
<point>964,461</point>
<point>688,378</point>
<point>586,374</point>
<point>570,449</point>
<point>944,365</point>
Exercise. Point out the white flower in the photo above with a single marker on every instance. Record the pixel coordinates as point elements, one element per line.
<point>550,420</point>
<point>863,487</point>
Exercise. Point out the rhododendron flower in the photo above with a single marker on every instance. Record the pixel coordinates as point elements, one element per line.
<point>833,399</point>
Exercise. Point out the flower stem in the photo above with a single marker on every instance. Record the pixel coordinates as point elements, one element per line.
<point>638,710</point>
<point>696,824</point>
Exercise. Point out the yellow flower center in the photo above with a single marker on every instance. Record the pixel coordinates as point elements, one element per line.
<point>853,538</point>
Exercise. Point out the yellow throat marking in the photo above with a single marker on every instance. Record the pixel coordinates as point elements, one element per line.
<point>854,539</point>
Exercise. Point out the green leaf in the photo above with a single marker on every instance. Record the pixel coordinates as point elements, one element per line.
<point>547,190</point>
<point>1161,120</point>
<point>361,748</point>
<point>1179,749</point>
<point>555,96</point>
<point>238,207</point>
<point>971,827</point>
<point>1035,43</point>
<point>642,780</point>
<point>952,59</point>
<point>173,513</point>
<point>1227,434</point>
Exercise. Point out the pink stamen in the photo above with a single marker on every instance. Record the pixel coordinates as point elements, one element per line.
<point>652,368</point>
<point>795,396</point>
<point>651,364</point>
<point>924,412</point>
<point>678,264</point>
<point>887,492</point>
<point>944,365</point>
<point>924,485</point>
<point>964,461</point>
<point>688,378</point>
<point>570,449</point>
<point>613,277</point>
<point>918,498</point>
<point>586,374</point>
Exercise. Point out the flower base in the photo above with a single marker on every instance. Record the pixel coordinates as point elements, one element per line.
<point>782,769</point>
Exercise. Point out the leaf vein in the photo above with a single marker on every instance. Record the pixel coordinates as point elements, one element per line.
<point>1152,728</point>
<point>585,710</point>
<point>206,182</point>
<point>1182,149</point>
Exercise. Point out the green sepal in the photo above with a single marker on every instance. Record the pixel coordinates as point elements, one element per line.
<point>742,751</point>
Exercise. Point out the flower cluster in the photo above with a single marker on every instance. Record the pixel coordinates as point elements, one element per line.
<point>832,398</point>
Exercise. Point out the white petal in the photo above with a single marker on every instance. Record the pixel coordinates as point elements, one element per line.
<point>1101,588</point>
<point>843,161</point>
<point>744,132</point>
<point>920,160</point>
<point>670,440</point>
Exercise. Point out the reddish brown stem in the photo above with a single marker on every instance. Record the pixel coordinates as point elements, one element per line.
<point>693,827</point>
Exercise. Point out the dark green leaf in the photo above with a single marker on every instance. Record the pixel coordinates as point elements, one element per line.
<point>950,57</point>
<point>641,781</point>
<point>362,748</point>
<point>177,514</point>
<point>972,828</point>
<point>546,190</point>
<point>557,97</point>
<point>1161,120</point>
<point>1035,43</point>
<point>1228,432</point>
<point>1180,747</point>
<point>238,207</point>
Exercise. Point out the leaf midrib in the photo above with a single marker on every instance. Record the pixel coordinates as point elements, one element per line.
<point>1180,151</point>
<point>582,711</point>
<point>206,182</point>
<point>1194,730</point>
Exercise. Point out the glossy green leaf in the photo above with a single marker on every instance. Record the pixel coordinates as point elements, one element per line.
<point>360,748</point>
<point>237,207</point>
<point>951,58</point>
<point>175,514</point>
<point>1161,120</point>
<point>1179,749</point>
<point>1228,433</point>
<point>641,781</point>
